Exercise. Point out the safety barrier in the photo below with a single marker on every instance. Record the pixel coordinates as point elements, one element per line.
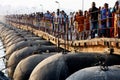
<point>70,31</point>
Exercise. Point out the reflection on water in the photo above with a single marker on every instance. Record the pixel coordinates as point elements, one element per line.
<point>2,63</point>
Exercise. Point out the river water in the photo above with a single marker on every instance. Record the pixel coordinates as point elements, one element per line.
<point>2,63</point>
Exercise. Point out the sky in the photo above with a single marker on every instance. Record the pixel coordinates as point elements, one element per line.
<point>28,6</point>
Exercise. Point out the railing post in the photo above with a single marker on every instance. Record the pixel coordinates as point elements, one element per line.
<point>84,31</point>
<point>115,25</point>
<point>118,25</point>
<point>58,34</point>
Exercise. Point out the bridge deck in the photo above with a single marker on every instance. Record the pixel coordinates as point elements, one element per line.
<point>92,45</point>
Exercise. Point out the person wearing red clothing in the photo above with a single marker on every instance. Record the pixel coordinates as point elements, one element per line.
<point>86,24</point>
<point>79,18</point>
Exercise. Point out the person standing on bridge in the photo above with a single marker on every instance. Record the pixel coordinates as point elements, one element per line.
<point>116,11</point>
<point>86,24</point>
<point>106,24</point>
<point>79,18</point>
<point>64,20</point>
<point>94,19</point>
<point>47,17</point>
<point>52,21</point>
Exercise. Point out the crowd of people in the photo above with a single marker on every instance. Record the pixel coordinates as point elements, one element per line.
<point>101,22</point>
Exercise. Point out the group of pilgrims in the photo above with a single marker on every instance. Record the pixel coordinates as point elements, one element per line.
<point>95,22</point>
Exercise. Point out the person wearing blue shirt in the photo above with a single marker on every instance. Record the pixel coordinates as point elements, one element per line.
<point>47,15</point>
<point>106,24</point>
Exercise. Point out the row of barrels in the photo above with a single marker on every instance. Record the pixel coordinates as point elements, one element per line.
<point>29,57</point>
<point>20,44</point>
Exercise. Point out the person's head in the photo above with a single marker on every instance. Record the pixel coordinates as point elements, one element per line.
<point>100,8</point>
<point>85,12</point>
<point>80,12</point>
<point>48,12</point>
<point>77,13</point>
<point>116,3</point>
<point>58,11</point>
<point>106,5</point>
<point>62,12</point>
<point>93,4</point>
<point>71,13</point>
<point>53,13</point>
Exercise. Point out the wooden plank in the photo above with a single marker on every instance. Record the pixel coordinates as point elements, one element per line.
<point>92,45</point>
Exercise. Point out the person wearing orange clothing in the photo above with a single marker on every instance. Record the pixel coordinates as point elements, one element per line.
<point>81,22</point>
<point>76,20</point>
<point>76,24</point>
<point>79,18</point>
<point>87,24</point>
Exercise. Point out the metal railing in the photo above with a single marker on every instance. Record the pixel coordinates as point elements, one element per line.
<point>65,30</point>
